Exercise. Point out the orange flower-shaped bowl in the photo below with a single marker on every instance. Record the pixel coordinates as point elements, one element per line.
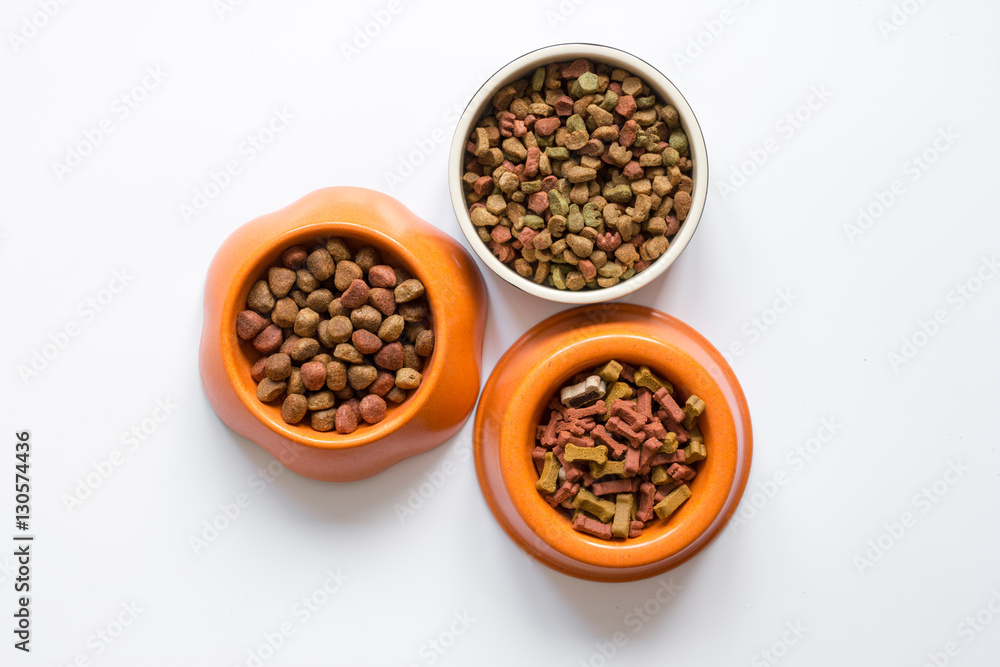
<point>541,362</point>
<point>457,298</point>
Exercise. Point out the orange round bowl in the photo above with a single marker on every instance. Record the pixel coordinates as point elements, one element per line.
<point>456,296</point>
<point>541,362</point>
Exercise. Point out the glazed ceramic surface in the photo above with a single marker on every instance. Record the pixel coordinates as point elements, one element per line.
<point>451,377</point>
<point>541,362</point>
<point>523,67</point>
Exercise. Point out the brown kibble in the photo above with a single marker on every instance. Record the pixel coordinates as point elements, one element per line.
<point>336,308</point>
<point>260,298</point>
<point>347,272</point>
<point>366,258</point>
<point>359,377</point>
<point>280,280</point>
<point>407,378</point>
<point>306,322</point>
<point>348,353</point>
<point>323,420</point>
<point>294,258</point>
<point>250,323</point>
<point>319,300</point>
<point>285,312</point>
<point>390,357</point>
<point>295,384</point>
<point>409,290</point>
<point>336,375</point>
<point>383,300</point>
<point>395,395</point>
<point>366,342</point>
<point>305,348</point>
<point>414,311</point>
<point>300,298</point>
<point>268,340</point>
<point>322,358</point>
<point>344,394</point>
<point>346,420</point>
<point>320,263</point>
<point>289,343</point>
<point>382,276</point>
<point>355,295</point>
<point>321,400</point>
<point>338,249</point>
<point>384,381</point>
<point>411,359</point>
<point>391,328</point>
<point>682,204</point>
<point>259,369</point>
<point>372,408</point>
<point>294,408</point>
<point>306,281</point>
<point>424,343</point>
<point>278,366</point>
<point>314,375</point>
<point>335,330</point>
<point>268,390</point>
<point>366,317</point>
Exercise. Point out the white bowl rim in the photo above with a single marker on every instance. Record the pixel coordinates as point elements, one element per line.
<point>663,87</point>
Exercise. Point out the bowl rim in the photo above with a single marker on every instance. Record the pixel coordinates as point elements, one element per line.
<point>522,515</point>
<point>664,88</point>
<point>238,371</point>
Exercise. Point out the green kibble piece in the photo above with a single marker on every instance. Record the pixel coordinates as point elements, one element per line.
<point>624,509</point>
<point>609,467</point>
<point>618,194</point>
<point>603,510</point>
<point>575,220</point>
<point>531,187</point>
<point>534,221</point>
<point>589,83</point>
<point>598,454</point>
<point>575,123</point>
<point>556,277</point>
<point>694,434</point>
<point>544,142</point>
<point>592,215</point>
<point>550,474</point>
<point>672,501</point>
<point>693,408</point>
<point>695,451</point>
<point>669,445</point>
<point>558,203</point>
<point>678,141</point>
<point>557,152</point>
<point>610,100</point>
<point>484,235</point>
<point>629,272</point>
<point>670,156</point>
<point>538,79</point>
<point>645,102</point>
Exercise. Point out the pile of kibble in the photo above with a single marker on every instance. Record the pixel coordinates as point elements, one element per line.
<point>618,449</point>
<point>339,334</point>
<point>579,176</point>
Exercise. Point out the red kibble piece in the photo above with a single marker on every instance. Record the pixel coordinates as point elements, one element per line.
<point>294,257</point>
<point>249,323</point>
<point>563,106</point>
<point>390,357</point>
<point>501,234</point>
<point>681,472</point>
<point>355,295</point>
<point>585,524</point>
<point>667,401</point>
<point>483,186</point>
<point>269,340</point>
<point>383,383</point>
<point>576,68</point>
<point>259,371</point>
<point>366,342</point>
<point>372,408</point>
<point>314,375</point>
<point>382,276</point>
<point>626,107</point>
<point>626,485</point>
<point>346,420</point>
<point>544,127</point>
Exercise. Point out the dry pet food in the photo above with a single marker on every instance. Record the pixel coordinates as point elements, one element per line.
<point>339,332</point>
<point>578,176</point>
<point>618,449</point>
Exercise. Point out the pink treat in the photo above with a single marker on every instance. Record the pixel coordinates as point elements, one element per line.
<point>585,524</point>
<point>632,456</point>
<point>646,493</point>
<point>624,411</point>
<point>654,429</point>
<point>602,437</point>
<point>681,472</point>
<point>663,459</point>
<point>538,202</point>
<point>635,529</point>
<point>668,402</point>
<point>644,402</point>
<point>598,408</point>
<point>646,454</point>
<point>576,68</point>
<point>618,427</point>
<point>626,107</point>
<point>564,106</point>
<point>544,127</point>
<point>625,485</point>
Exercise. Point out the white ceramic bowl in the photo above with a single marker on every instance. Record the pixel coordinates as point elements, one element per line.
<point>524,66</point>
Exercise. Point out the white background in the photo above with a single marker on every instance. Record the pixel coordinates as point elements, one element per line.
<point>784,227</point>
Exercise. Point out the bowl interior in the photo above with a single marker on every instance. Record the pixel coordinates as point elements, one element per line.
<point>660,538</point>
<point>664,90</point>
<point>240,355</point>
